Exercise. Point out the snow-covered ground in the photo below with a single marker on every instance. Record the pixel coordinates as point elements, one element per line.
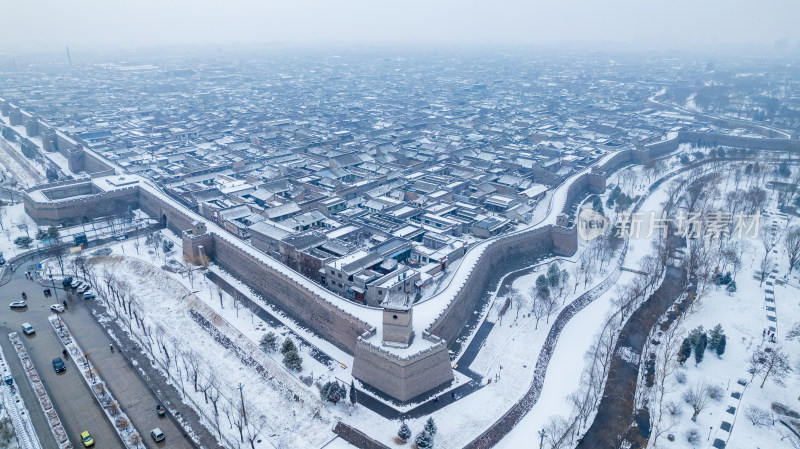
<point>743,316</point>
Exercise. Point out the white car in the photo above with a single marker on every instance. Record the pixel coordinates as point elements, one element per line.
<point>27,329</point>
<point>57,308</point>
<point>76,283</point>
<point>83,288</point>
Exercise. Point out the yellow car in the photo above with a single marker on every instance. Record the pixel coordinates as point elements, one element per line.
<point>87,439</point>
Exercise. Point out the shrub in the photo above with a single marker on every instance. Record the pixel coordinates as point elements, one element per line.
<point>680,376</point>
<point>715,392</point>
<point>23,242</point>
<point>692,437</point>
<point>757,416</point>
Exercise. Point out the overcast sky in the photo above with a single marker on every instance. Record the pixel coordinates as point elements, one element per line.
<point>82,24</point>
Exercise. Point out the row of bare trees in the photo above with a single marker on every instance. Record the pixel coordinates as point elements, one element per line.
<point>185,364</point>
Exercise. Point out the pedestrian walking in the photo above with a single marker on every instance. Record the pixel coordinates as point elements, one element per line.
<point>436,400</point>
<point>453,395</point>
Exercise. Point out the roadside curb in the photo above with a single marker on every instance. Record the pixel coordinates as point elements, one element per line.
<point>116,416</point>
<point>41,394</point>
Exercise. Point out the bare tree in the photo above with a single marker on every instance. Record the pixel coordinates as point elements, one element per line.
<point>765,268</point>
<point>792,243</point>
<point>665,365</point>
<point>219,293</point>
<point>557,432</point>
<point>757,416</point>
<point>188,268</point>
<point>697,397</point>
<point>772,363</point>
<point>254,429</point>
<point>538,308</point>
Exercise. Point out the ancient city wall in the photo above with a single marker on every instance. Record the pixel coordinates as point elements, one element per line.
<point>315,313</point>
<point>497,259</point>
<point>70,212</point>
<point>403,378</point>
<point>168,215</point>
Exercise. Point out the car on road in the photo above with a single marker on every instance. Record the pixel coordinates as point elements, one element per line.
<point>157,435</point>
<point>76,283</point>
<point>57,308</point>
<point>66,282</point>
<point>120,237</point>
<point>27,329</point>
<point>87,439</point>
<point>58,365</point>
<point>18,305</point>
<point>89,295</point>
<point>83,288</point>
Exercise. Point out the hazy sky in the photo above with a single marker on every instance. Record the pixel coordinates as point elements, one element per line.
<point>81,24</point>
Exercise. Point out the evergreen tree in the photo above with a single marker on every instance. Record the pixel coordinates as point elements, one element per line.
<point>685,351</point>
<point>288,345</point>
<point>694,335</point>
<point>353,397</point>
<point>541,281</point>
<point>731,288</point>
<point>430,426</point>
<point>721,346</point>
<point>52,232</point>
<point>424,440</point>
<point>404,433</point>
<point>293,361</point>
<point>597,206</point>
<point>334,392</point>
<point>323,392</point>
<point>700,348</point>
<point>714,337</point>
<point>268,342</point>
<point>553,275</point>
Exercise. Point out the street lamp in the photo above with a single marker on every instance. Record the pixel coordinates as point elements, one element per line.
<point>541,438</point>
<point>50,271</point>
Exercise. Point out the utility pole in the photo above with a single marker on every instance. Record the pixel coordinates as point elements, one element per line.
<point>241,396</point>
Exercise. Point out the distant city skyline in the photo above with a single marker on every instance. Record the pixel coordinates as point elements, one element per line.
<point>50,25</point>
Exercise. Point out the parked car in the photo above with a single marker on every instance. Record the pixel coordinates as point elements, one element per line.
<point>157,435</point>
<point>58,365</point>
<point>18,305</point>
<point>89,295</point>
<point>120,237</point>
<point>57,308</point>
<point>87,439</point>
<point>83,288</point>
<point>76,283</point>
<point>102,252</point>
<point>66,282</point>
<point>27,329</point>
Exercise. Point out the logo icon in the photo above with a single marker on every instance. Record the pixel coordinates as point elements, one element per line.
<point>591,224</point>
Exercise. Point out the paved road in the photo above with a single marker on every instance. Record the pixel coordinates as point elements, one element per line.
<point>72,399</point>
<point>135,397</point>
